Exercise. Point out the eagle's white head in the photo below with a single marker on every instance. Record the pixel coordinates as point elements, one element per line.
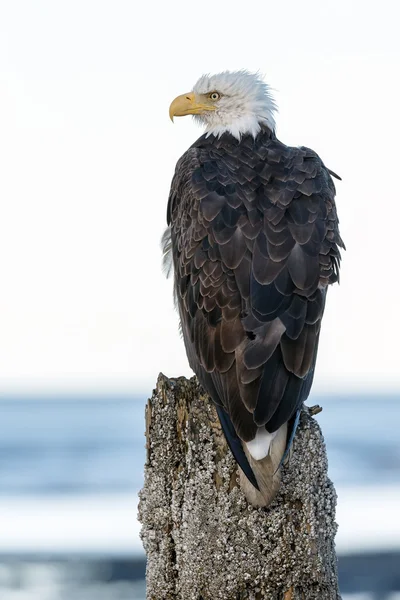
<point>236,102</point>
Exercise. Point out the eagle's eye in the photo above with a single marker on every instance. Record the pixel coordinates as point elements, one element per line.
<point>214,96</point>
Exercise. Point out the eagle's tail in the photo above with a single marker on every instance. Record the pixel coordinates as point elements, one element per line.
<point>260,460</point>
<point>266,469</point>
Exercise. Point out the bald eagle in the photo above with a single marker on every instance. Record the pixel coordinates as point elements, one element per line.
<point>254,243</point>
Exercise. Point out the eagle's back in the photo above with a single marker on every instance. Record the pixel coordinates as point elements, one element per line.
<point>255,243</point>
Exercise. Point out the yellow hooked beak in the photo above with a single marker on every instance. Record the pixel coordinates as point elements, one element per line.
<point>187,105</point>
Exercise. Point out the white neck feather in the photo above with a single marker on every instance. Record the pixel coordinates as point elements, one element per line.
<point>246,124</point>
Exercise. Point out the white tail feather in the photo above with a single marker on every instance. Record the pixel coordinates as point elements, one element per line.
<point>266,470</point>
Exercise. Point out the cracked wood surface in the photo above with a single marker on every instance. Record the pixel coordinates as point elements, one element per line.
<point>202,539</point>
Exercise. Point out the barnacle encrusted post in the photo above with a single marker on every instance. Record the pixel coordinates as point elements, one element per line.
<point>202,539</point>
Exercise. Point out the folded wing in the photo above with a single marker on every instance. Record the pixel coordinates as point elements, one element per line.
<point>255,244</point>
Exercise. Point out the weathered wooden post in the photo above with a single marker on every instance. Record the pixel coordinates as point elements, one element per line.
<point>203,540</point>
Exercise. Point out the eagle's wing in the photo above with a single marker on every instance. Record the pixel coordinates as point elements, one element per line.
<point>255,243</point>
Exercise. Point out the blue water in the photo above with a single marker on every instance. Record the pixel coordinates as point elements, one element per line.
<point>71,445</point>
<point>81,445</point>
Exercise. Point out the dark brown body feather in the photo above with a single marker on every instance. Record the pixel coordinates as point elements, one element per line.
<point>255,241</point>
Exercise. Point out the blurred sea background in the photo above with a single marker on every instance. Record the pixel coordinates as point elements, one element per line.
<point>71,469</point>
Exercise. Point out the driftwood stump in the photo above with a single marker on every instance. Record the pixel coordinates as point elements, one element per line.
<point>202,539</point>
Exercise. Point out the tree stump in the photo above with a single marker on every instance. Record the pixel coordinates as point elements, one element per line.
<point>202,539</point>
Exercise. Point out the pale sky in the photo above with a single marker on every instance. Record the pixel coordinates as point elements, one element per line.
<point>87,153</point>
